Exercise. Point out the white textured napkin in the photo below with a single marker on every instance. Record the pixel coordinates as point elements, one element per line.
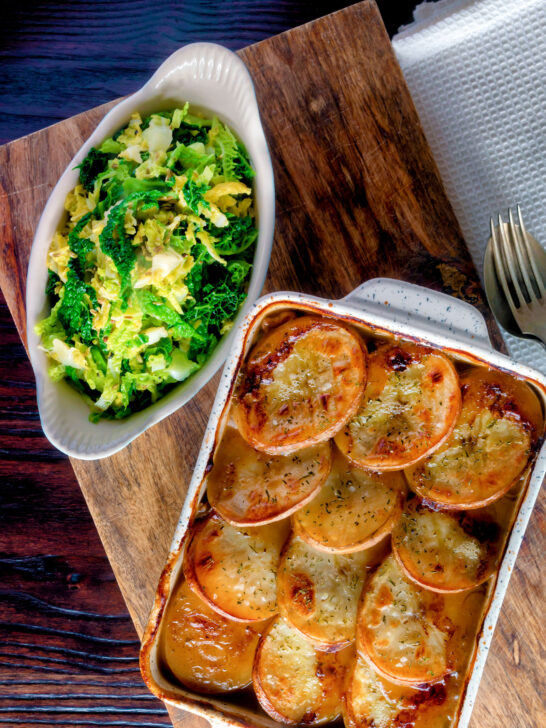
<point>477,72</point>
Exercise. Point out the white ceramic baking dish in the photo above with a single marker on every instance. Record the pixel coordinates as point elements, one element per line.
<point>213,80</point>
<point>386,307</point>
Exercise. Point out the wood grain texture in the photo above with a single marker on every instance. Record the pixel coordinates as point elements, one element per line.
<point>358,195</point>
<point>59,58</point>
<point>68,648</point>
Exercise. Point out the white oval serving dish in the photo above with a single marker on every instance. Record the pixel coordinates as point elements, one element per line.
<point>386,307</point>
<point>213,80</point>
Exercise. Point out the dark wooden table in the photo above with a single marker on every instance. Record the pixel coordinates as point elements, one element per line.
<point>69,652</point>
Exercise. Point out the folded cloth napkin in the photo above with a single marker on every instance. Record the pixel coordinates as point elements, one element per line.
<point>477,72</point>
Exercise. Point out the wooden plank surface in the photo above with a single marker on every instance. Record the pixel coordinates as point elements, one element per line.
<point>59,58</point>
<point>44,519</point>
<point>68,647</point>
<point>358,195</point>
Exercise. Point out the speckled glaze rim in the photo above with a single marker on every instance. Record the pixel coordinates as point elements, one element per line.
<point>214,80</point>
<point>387,307</point>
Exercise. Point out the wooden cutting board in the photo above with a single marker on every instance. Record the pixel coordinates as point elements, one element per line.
<point>358,196</point>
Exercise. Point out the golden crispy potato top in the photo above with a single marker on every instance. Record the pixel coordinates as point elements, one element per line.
<point>300,384</point>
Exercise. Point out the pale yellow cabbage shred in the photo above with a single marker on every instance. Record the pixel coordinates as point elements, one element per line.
<point>158,265</point>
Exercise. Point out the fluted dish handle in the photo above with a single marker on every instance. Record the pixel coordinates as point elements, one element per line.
<point>408,304</point>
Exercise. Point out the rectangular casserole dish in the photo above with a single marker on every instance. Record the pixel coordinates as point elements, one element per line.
<point>385,308</point>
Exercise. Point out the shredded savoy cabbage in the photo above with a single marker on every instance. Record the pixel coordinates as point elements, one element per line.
<point>152,262</point>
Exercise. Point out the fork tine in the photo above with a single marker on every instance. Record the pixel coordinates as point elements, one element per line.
<point>510,261</point>
<point>517,242</point>
<point>499,268</point>
<point>530,255</point>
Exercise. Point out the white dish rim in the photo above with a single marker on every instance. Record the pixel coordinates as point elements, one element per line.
<point>396,308</point>
<point>198,73</point>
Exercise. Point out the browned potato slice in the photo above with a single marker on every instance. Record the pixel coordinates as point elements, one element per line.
<point>372,702</point>
<point>445,552</point>
<point>318,592</point>
<point>294,682</point>
<point>206,652</point>
<point>403,630</point>
<point>248,487</point>
<point>354,509</point>
<point>301,384</point>
<point>235,569</point>
<point>410,405</point>
<point>491,444</point>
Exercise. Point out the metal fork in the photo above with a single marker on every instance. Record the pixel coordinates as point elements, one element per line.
<point>519,265</point>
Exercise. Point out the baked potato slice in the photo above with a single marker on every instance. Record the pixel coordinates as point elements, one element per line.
<point>248,487</point>
<point>235,569</point>
<point>409,408</point>
<point>205,651</point>
<point>493,440</point>
<point>353,510</point>
<point>372,702</point>
<point>301,383</point>
<point>294,682</point>
<point>445,551</point>
<point>403,630</point>
<point>318,592</point>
